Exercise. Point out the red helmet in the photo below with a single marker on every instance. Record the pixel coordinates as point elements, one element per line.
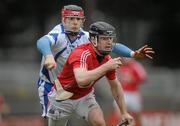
<point>72,11</point>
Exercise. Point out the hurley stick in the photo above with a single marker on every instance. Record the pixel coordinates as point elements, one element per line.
<point>61,94</point>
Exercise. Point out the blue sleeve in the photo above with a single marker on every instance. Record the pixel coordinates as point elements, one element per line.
<point>44,45</point>
<point>121,50</point>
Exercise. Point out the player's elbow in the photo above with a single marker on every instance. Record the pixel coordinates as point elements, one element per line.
<point>38,43</point>
<point>82,83</point>
<point>82,77</point>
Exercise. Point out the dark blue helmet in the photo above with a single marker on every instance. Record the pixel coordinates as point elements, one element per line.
<point>102,28</point>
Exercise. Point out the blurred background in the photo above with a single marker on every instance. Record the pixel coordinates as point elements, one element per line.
<point>137,22</point>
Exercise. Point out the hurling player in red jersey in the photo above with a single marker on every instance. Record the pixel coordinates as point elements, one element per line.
<point>84,66</point>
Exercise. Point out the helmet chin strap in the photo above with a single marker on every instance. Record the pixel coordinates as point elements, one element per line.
<point>100,51</point>
<point>71,33</point>
<point>104,52</point>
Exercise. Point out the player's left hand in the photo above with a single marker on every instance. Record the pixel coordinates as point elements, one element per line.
<point>128,117</point>
<point>143,52</point>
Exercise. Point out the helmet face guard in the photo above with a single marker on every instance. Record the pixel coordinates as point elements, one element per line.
<point>102,29</point>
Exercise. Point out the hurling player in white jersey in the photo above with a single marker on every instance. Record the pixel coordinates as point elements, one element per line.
<point>56,46</point>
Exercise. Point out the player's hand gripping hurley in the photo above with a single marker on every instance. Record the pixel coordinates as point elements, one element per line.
<point>61,93</point>
<point>123,123</point>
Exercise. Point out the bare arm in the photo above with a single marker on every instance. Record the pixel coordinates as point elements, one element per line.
<point>86,77</point>
<point>118,95</point>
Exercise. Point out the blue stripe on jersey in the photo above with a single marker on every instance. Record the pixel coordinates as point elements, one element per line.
<point>81,33</point>
<point>59,53</point>
<point>78,37</point>
<point>48,87</point>
<point>54,35</point>
<point>39,82</point>
<point>46,73</point>
<point>62,28</point>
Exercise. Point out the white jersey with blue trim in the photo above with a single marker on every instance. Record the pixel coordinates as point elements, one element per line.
<point>61,47</point>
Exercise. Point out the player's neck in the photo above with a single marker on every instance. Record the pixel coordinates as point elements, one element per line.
<point>97,52</point>
<point>72,37</point>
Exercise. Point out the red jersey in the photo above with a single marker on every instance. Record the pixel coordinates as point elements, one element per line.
<point>131,75</point>
<point>83,56</point>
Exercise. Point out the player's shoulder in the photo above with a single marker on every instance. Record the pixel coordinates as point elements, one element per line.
<point>84,33</point>
<point>84,48</point>
<point>59,28</point>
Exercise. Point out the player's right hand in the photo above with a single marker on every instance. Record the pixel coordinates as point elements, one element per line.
<point>114,63</point>
<point>49,62</point>
<point>144,52</point>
